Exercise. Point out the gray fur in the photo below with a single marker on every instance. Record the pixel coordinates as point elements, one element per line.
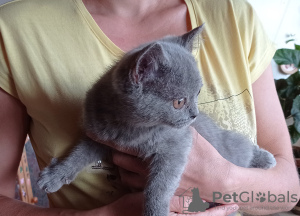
<point>233,146</point>
<point>132,105</point>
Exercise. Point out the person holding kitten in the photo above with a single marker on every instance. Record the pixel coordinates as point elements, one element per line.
<point>53,51</point>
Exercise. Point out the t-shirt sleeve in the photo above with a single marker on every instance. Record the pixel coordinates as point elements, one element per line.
<point>258,48</point>
<point>6,78</point>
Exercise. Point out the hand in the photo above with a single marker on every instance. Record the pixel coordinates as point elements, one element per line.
<point>206,169</point>
<point>220,211</point>
<point>223,210</point>
<point>128,205</point>
<point>132,205</point>
<point>133,170</point>
<point>176,208</point>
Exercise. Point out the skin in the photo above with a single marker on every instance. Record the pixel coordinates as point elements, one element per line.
<point>130,23</point>
<point>136,22</point>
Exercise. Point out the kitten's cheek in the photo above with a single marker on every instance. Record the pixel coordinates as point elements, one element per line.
<point>133,180</point>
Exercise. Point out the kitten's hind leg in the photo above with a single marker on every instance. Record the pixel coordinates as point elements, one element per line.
<point>64,171</point>
<point>262,159</point>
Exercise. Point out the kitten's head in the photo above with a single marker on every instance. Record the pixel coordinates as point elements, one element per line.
<point>159,82</point>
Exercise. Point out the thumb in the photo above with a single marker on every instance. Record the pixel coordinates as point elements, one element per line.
<point>223,210</point>
<point>180,204</point>
<point>176,204</point>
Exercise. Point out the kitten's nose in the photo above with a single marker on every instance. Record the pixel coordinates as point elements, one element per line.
<point>194,112</point>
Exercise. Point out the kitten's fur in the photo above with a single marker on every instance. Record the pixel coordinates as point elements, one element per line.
<point>132,105</point>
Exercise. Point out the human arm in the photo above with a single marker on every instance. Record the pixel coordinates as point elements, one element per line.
<point>14,126</point>
<point>272,135</point>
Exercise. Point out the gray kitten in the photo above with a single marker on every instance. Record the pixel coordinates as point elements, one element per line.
<point>146,102</point>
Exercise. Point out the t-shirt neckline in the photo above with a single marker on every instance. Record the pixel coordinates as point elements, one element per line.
<point>105,40</point>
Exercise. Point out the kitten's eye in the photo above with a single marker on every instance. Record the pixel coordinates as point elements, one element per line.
<point>178,104</point>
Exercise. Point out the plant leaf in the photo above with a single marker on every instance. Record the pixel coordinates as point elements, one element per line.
<point>288,104</point>
<point>296,113</point>
<point>295,135</point>
<point>287,90</point>
<point>294,79</point>
<point>281,84</point>
<point>297,47</point>
<point>287,56</point>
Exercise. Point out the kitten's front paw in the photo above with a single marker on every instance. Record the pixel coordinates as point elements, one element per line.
<point>263,159</point>
<point>54,176</point>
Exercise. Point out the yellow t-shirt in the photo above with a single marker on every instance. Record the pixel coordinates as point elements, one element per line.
<point>52,51</point>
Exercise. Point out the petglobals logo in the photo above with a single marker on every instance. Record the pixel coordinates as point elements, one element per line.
<point>247,197</point>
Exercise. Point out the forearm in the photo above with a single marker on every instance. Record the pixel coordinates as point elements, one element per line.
<point>279,186</point>
<point>10,207</point>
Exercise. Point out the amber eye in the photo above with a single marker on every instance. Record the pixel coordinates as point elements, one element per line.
<point>178,104</point>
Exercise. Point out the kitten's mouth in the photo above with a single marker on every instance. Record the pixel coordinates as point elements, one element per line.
<point>183,123</point>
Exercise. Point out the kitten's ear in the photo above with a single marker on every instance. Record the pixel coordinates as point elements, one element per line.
<point>147,63</point>
<point>192,38</point>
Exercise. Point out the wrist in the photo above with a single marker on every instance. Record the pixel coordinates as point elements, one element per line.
<point>230,180</point>
<point>229,183</point>
<point>224,180</point>
<point>233,181</point>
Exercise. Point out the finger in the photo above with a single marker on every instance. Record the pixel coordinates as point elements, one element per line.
<point>132,180</point>
<point>177,206</point>
<point>193,130</point>
<point>130,163</point>
<point>222,210</point>
<point>128,205</point>
<point>205,148</point>
<point>113,145</point>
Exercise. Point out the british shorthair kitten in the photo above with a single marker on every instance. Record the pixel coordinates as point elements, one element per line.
<point>147,102</point>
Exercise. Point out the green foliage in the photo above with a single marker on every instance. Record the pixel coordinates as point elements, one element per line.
<point>294,134</point>
<point>287,56</point>
<point>297,47</point>
<point>296,113</point>
<point>289,89</point>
